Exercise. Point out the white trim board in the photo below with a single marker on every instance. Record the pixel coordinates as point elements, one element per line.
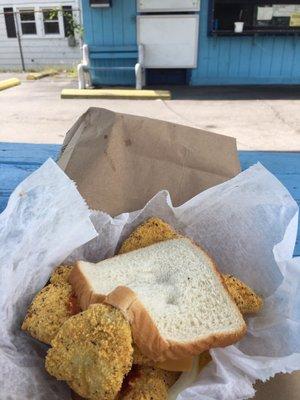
<point>168,5</point>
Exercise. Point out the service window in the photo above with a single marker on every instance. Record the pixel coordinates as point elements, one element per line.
<point>27,21</point>
<point>226,14</point>
<point>51,22</point>
<point>258,17</point>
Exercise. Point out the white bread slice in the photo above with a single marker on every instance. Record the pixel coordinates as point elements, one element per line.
<point>171,293</point>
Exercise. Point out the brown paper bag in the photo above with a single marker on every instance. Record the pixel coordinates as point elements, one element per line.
<point>121,161</point>
<point>281,387</point>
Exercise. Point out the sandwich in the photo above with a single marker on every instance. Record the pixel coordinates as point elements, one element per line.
<point>138,299</point>
<point>171,293</point>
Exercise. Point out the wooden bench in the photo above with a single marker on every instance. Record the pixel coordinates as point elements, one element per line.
<point>93,53</point>
<point>18,160</point>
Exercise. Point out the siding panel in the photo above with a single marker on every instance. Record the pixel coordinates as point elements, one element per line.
<point>38,52</point>
<point>234,49</point>
<point>296,58</point>
<point>114,26</point>
<point>104,17</point>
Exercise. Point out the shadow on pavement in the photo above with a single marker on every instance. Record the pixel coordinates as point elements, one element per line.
<point>261,92</point>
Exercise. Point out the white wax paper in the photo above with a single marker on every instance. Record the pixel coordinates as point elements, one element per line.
<point>44,221</point>
<point>248,224</point>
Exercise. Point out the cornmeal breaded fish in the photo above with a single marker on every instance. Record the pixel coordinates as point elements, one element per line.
<point>50,308</point>
<point>147,383</point>
<point>152,231</point>
<point>61,274</point>
<point>92,352</point>
<point>245,298</point>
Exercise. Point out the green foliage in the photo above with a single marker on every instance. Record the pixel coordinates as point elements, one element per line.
<point>73,26</point>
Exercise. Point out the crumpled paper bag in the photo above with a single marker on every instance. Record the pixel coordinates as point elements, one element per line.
<point>120,161</point>
<point>248,224</point>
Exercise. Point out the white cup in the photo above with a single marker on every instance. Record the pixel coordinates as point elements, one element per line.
<point>238,27</point>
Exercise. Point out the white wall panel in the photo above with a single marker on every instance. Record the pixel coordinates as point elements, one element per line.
<point>170,41</point>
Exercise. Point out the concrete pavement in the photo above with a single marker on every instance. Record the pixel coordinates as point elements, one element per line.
<point>260,118</point>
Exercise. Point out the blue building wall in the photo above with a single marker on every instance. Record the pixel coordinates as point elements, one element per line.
<point>245,59</point>
<point>114,26</point>
<point>221,60</point>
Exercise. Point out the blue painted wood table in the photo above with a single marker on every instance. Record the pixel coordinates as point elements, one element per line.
<point>18,160</point>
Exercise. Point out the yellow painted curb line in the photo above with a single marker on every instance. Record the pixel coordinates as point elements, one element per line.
<point>8,83</point>
<point>132,94</point>
<point>39,75</point>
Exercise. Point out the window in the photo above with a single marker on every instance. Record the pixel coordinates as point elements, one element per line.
<point>51,22</point>
<point>27,21</point>
<point>259,17</point>
<point>40,22</point>
<point>10,22</point>
<point>68,18</point>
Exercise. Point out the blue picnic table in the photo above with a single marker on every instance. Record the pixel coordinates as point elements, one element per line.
<point>18,160</point>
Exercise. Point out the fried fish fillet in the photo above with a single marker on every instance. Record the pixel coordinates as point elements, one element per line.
<point>147,383</point>
<point>92,352</point>
<point>245,298</point>
<point>61,274</point>
<point>151,231</point>
<point>50,308</point>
